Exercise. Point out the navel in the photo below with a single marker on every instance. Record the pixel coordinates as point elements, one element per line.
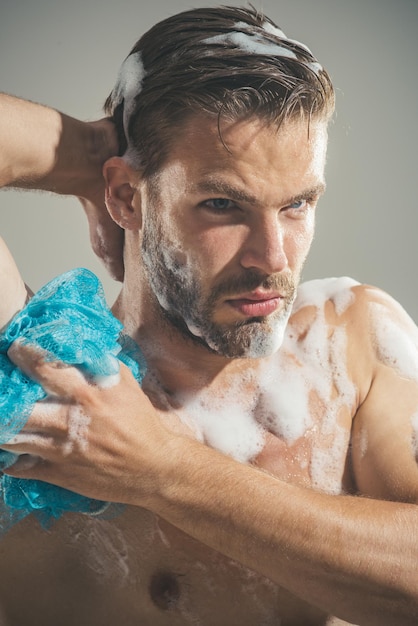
<point>164,590</point>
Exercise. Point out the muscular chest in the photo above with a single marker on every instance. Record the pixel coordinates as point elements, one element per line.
<point>287,427</point>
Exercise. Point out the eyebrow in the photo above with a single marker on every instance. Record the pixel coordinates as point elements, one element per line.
<point>217,186</point>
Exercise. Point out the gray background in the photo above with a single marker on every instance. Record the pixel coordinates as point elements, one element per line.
<point>67,53</point>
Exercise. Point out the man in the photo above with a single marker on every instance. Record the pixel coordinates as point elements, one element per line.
<point>268,464</point>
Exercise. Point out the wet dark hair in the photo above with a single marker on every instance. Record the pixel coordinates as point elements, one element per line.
<point>185,74</point>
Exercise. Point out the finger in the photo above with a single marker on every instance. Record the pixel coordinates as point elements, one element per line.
<point>30,466</point>
<point>29,443</point>
<point>35,468</point>
<point>49,416</point>
<point>56,378</point>
<point>24,463</point>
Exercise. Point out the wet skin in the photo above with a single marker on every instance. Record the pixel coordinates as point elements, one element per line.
<point>223,215</point>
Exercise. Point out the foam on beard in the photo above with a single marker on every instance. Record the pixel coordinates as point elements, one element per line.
<point>264,339</point>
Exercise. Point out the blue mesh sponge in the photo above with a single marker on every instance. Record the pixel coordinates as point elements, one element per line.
<point>70,320</point>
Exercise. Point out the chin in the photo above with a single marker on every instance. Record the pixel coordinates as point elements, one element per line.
<point>255,339</point>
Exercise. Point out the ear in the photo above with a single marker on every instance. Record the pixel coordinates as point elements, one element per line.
<point>122,197</point>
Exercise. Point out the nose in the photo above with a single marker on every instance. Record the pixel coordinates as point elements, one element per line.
<point>264,248</point>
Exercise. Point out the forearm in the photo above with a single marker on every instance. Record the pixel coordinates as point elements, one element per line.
<point>45,149</point>
<point>352,557</point>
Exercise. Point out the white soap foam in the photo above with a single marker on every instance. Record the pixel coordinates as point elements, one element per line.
<point>284,404</point>
<point>107,551</point>
<point>128,85</point>
<point>262,340</point>
<point>273,30</point>
<point>277,32</point>
<point>226,421</point>
<point>313,352</point>
<point>346,389</point>
<point>322,359</point>
<point>317,292</point>
<point>234,432</point>
<point>78,428</point>
<point>252,44</point>
<point>396,343</point>
<point>107,382</point>
<point>308,374</point>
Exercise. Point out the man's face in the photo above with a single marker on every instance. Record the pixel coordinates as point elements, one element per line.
<point>227,230</point>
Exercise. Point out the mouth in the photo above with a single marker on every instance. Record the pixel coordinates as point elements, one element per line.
<point>256,304</point>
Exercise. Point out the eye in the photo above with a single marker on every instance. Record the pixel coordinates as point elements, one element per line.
<point>219,205</point>
<point>298,205</point>
<point>299,208</point>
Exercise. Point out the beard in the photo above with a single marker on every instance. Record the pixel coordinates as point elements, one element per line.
<point>177,286</point>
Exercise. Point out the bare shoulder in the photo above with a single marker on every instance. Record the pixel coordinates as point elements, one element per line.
<point>380,356</point>
<point>384,362</point>
<point>366,306</point>
<point>329,305</point>
<point>386,330</point>
<point>378,330</point>
<point>12,288</point>
<point>317,293</point>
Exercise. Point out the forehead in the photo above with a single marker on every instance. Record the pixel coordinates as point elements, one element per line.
<point>249,153</point>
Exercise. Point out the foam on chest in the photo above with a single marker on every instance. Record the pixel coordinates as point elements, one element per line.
<point>298,393</point>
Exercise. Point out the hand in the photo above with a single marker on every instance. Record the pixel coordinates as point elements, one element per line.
<point>44,149</point>
<point>104,443</point>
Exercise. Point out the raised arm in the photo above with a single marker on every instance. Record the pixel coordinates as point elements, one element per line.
<point>47,150</point>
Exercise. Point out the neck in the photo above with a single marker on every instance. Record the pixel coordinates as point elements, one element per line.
<point>178,362</point>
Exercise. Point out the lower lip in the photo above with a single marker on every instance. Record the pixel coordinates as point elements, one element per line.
<point>255,308</point>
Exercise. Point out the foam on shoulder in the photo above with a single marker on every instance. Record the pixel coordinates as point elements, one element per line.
<point>395,336</point>
<point>311,370</point>
<point>317,292</point>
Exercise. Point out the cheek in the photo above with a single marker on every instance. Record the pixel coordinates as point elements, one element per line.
<point>298,242</point>
<point>220,247</point>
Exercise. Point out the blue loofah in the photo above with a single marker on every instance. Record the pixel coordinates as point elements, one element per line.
<point>70,320</point>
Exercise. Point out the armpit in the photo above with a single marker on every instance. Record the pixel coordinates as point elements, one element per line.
<point>12,288</point>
